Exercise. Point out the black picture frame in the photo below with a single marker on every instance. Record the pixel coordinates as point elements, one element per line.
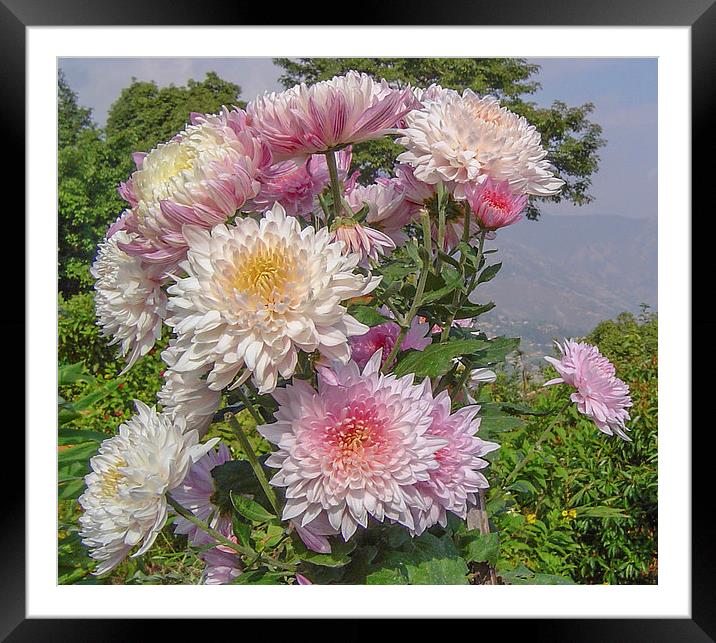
<point>700,15</point>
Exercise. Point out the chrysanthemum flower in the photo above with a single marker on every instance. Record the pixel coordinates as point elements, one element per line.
<point>195,494</point>
<point>296,186</point>
<point>600,394</point>
<point>353,449</point>
<point>201,177</point>
<point>494,205</point>
<point>388,211</point>
<point>328,114</point>
<point>462,138</point>
<point>187,393</point>
<point>383,337</point>
<point>129,301</point>
<point>124,503</point>
<point>453,485</point>
<point>364,241</point>
<point>222,564</point>
<point>256,293</point>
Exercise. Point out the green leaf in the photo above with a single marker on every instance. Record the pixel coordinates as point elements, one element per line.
<point>600,512</point>
<point>436,359</point>
<point>88,401</point>
<point>467,311</point>
<point>367,315</point>
<point>259,577</point>
<point>489,273</point>
<point>71,489</point>
<point>337,558</point>
<point>250,509</point>
<point>428,560</point>
<point>73,374</point>
<point>242,531</point>
<point>76,453</point>
<point>523,576</point>
<point>75,436</point>
<point>480,548</point>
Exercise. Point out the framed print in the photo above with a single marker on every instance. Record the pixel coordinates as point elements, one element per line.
<point>366,309</point>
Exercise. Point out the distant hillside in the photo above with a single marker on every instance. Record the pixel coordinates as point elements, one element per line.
<point>562,275</point>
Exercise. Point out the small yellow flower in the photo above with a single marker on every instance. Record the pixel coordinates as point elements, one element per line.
<point>565,513</point>
<point>531,518</point>
<point>572,513</point>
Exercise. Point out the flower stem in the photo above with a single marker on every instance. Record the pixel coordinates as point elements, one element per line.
<point>253,460</point>
<point>417,300</point>
<point>219,537</point>
<point>335,183</point>
<point>536,445</point>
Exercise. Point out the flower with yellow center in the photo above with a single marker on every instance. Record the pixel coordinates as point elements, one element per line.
<point>125,503</point>
<point>258,292</point>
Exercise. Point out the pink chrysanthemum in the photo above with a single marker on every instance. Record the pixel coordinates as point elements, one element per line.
<point>453,485</point>
<point>328,114</point>
<point>195,494</point>
<point>297,186</point>
<point>600,394</point>
<point>387,208</point>
<point>222,564</point>
<point>201,177</point>
<point>383,337</point>
<point>361,240</point>
<point>353,449</point>
<point>494,205</point>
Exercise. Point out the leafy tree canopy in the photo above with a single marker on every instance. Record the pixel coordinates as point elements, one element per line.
<point>570,137</point>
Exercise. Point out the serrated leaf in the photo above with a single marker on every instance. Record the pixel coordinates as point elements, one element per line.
<point>242,531</point>
<point>250,509</point>
<point>338,557</point>
<point>480,548</point>
<point>430,561</point>
<point>436,359</point>
<point>367,315</point>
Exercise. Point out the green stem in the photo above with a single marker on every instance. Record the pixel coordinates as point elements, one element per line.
<point>456,298</point>
<point>253,460</point>
<point>420,289</point>
<point>335,183</point>
<point>219,537</point>
<point>536,445</point>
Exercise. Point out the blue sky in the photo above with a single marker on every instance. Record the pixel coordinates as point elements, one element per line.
<point>623,90</point>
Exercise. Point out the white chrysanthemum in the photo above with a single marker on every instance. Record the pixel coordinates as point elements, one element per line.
<point>129,302</point>
<point>460,139</point>
<point>124,503</point>
<point>256,293</point>
<point>188,394</point>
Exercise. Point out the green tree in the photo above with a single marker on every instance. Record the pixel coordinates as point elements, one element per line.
<point>72,118</point>
<point>570,137</point>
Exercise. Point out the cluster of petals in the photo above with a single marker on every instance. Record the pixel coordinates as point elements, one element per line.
<point>256,293</point>
<point>383,337</point>
<point>200,177</point>
<point>388,210</point>
<point>462,138</point>
<point>354,449</point>
<point>129,301</point>
<point>453,485</point>
<point>296,185</point>
<point>365,242</point>
<point>329,114</point>
<point>600,394</point>
<point>222,564</point>
<point>187,393</point>
<point>195,494</point>
<point>494,205</point>
<point>124,503</point>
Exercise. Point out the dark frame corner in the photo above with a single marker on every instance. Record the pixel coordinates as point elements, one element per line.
<point>700,15</point>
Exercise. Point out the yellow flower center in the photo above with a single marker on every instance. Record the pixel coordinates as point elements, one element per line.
<point>110,480</point>
<point>266,274</point>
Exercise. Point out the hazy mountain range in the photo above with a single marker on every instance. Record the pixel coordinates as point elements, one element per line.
<point>562,275</point>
